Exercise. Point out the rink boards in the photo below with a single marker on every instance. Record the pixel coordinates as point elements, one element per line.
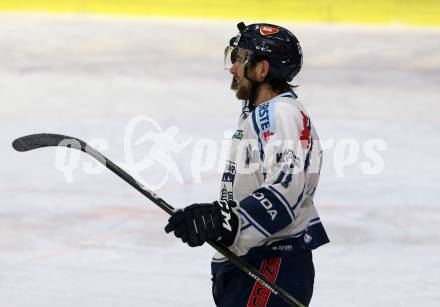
<point>423,12</point>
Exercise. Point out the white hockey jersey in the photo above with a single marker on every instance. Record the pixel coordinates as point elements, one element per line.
<point>272,172</point>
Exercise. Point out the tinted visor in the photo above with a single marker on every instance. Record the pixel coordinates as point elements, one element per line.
<point>236,55</point>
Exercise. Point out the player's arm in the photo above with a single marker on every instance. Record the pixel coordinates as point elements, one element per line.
<point>270,208</point>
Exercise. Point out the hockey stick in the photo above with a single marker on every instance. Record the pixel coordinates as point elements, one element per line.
<point>34,141</point>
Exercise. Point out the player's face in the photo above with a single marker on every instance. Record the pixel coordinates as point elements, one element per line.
<point>240,84</point>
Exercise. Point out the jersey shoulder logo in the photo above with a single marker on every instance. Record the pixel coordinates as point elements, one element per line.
<point>305,133</point>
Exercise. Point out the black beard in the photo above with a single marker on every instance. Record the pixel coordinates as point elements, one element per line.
<point>242,93</point>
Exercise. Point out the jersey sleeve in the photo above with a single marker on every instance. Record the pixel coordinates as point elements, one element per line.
<point>284,145</point>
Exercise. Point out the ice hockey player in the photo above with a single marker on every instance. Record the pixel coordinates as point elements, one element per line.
<point>265,212</point>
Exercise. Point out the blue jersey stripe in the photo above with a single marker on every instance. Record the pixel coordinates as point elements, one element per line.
<point>257,131</point>
<point>314,226</point>
<point>314,220</point>
<point>265,208</point>
<point>283,199</point>
<point>291,94</point>
<point>252,222</point>
<point>246,226</point>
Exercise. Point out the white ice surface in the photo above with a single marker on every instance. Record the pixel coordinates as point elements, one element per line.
<point>97,242</point>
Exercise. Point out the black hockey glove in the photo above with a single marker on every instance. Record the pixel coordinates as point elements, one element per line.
<point>199,223</point>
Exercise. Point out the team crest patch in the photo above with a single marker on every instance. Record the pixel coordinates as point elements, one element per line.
<point>266,30</point>
<point>238,135</point>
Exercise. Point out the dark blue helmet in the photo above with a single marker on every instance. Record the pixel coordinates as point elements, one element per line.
<point>272,42</point>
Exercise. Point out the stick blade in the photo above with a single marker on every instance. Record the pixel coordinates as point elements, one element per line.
<point>34,141</point>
